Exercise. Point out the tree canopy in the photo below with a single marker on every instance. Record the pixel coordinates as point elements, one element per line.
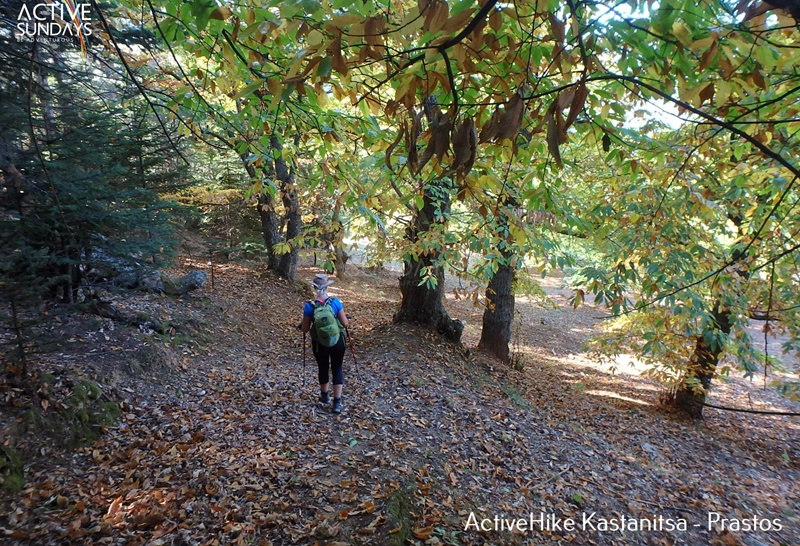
<point>478,136</point>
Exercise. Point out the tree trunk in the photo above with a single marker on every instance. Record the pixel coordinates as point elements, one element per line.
<point>284,265</point>
<point>340,262</point>
<point>68,283</point>
<point>287,264</point>
<point>46,92</point>
<point>499,314</point>
<point>340,256</point>
<point>422,303</point>
<point>269,228</point>
<point>690,395</point>
<point>16,325</point>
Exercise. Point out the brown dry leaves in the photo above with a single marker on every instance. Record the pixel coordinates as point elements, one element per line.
<point>573,98</point>
<point>461,140</point>
<point>234,451</point>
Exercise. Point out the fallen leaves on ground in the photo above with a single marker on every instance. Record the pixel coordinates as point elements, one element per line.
<point>230,446</point>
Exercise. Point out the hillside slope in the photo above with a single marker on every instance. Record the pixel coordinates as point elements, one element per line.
<point>222,441</point>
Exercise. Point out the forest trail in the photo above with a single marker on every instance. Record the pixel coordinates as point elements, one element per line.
<point>225,443</point>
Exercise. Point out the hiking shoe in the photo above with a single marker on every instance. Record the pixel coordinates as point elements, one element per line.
<point>337,405</point>
<point>325,397</point>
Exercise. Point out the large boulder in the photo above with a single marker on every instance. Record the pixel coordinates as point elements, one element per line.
<point>185,284</point>
<point>193,280</point>
<point>158,282</point>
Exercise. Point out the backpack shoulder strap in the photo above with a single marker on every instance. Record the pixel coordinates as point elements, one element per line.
<point>314,306</point>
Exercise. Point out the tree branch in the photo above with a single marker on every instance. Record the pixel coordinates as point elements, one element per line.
<point>485,9</point>
<point>777,157</point>
<point>139,86</point>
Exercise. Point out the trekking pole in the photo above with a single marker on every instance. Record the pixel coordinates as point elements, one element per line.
<point>299,327</point>
<point>304,360</point>
<point>352,351</point>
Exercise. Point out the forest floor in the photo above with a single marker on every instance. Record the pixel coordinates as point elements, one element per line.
<point>221,439</point>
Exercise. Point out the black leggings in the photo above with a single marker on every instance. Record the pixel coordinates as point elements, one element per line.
<point>330,356</point>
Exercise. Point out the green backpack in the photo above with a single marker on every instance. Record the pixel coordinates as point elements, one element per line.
<point>326,325</point>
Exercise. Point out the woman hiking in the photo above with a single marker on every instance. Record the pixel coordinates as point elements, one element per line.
<point>324,317</point>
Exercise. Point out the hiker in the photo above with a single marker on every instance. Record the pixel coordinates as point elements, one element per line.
<point>324,317</point>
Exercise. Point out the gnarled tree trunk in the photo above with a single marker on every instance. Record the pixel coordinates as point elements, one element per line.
<point>272,227</point>
<point>499,314</point>
<point>691,396</point>
<point>422,303</point>
<point>340,256</point>
<point>269,228</point>
<point>287,263</point>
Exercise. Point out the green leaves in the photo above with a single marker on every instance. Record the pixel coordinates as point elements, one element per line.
<point>660,135</point>
<point>201,11</point>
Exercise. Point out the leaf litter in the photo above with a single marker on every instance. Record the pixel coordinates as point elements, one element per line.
<point>228,447</point>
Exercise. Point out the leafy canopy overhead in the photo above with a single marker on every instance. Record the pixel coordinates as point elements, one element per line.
<point>662,133</point>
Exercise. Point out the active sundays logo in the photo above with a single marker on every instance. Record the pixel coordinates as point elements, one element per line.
<point>55,21</point>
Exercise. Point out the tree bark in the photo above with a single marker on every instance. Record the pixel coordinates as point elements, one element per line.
<point>421,303</point>
<point>340,256</point>
<point>269,228</point>
<point>499,314</point>
<point>69,278</point>
<point>287,263</point>
<point>272,230</point>
<point>340,262</point>
<point>16,325</point>
<point>689,396</point>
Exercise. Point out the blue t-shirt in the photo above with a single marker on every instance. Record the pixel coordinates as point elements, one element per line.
<point>336,305</point>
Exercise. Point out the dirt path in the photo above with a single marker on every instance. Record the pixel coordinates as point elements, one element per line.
<point>229,446</point>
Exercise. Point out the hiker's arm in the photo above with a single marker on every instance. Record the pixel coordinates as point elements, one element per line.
<point>342,318</point>
<point>305,326</point>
